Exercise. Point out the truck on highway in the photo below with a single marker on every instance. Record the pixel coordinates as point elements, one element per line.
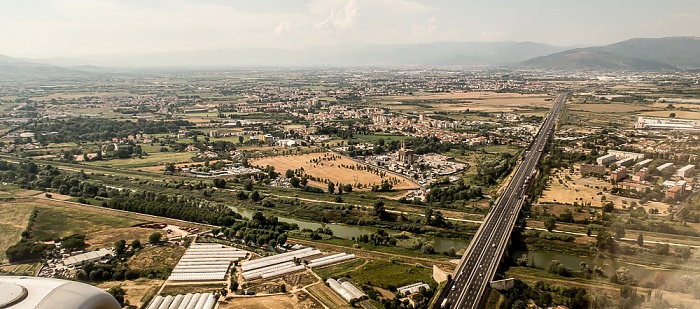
<point>444,304</point>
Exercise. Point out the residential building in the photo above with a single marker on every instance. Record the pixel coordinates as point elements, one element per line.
<point>674,192</point>
<point>625,162</point>
<point>618,174</point>
<point>592,169</point>
<point>644,162</point>
<point>626,154</point>
<point>664,166</point>
<point>641,175</point>
<point>606,159</point>
<point>686,171</point>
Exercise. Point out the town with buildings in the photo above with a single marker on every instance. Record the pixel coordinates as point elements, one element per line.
<point>396,154</point>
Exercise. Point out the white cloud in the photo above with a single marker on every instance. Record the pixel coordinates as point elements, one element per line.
<point>422,29</point>
<point>685,15</point>
<point>340,19</point>
<point>286,27</point>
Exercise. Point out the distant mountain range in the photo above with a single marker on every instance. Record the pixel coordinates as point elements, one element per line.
<point>671,53</point>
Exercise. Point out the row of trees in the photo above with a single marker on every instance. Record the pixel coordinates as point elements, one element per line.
<point>30,176</point>
<point>80,129</point>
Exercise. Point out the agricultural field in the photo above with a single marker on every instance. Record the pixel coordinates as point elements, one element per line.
<point>158,258</point>
<point>327,296</point>
<point>8,190</point>
<point>175,288</point>
<point>338,269</point>
<point>336,170</point>
<point>461,102</point>
<point>20,269</point>
<point>107,238</point>
<point>385,274</point>
<point>679,114</point>
<point>138,291</point>
<point>13,220</point>
<point>55,220</point>
<point>159,158</point>
<point>608,108</point>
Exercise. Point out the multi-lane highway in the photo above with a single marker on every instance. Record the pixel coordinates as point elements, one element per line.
<point>481,259</point>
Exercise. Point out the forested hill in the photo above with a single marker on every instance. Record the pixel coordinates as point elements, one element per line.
<point>97,129</point>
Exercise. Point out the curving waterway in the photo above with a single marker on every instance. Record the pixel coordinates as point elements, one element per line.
<point>441,244</point>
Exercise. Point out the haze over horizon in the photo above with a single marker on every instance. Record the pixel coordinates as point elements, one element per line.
<point>75,28</point>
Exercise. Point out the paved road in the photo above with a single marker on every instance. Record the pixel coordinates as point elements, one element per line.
<point>481,259</point>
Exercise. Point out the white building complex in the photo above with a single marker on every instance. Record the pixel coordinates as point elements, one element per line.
<point>626,154</point>
<point>345,289</point>
<point>88,257</point>
<point>206,262</point>
<point>331,259</point>
<point>653,123</point>
<point>276,265</point>
<point>606,159</point>
<point>188,301</point>
<point>412,288</point>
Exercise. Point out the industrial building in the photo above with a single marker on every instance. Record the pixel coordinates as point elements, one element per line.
<point>345,289</point>
<point>206,262</point>
<point>88,257</point>
<point>606,159</point>
<point>276,265</point>
<point>653,123</point>
<point>188,301</point>
<point>331,259</point>
<point>686,171</point>
<point>412,288</point>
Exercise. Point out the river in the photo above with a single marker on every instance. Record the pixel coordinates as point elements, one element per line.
<point>441,244</point>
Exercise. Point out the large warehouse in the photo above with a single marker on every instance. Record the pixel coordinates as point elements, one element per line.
<point>276,265</point>
<point>206,262</point>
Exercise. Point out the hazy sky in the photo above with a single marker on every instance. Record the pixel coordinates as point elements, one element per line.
<point>49,28</point>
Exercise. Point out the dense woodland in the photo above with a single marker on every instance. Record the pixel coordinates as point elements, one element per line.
<point>96,129</point>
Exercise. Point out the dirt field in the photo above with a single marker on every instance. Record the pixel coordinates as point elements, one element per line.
<point>159,159</point>
<point>679,114</point>
<point>102,226</point>
<point>156,256</point>
<point>466,95</point>
<point>607,108</point>
<point>330,169</point>
<point>297,300</point>
<point>473,101</point>
<point>112,213</point>
<point>137,291</point>
<point>327,296</point>
<point>13,220</point>
<point>161,168</point>
<point>107,238</point>
<point>570,191</point>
